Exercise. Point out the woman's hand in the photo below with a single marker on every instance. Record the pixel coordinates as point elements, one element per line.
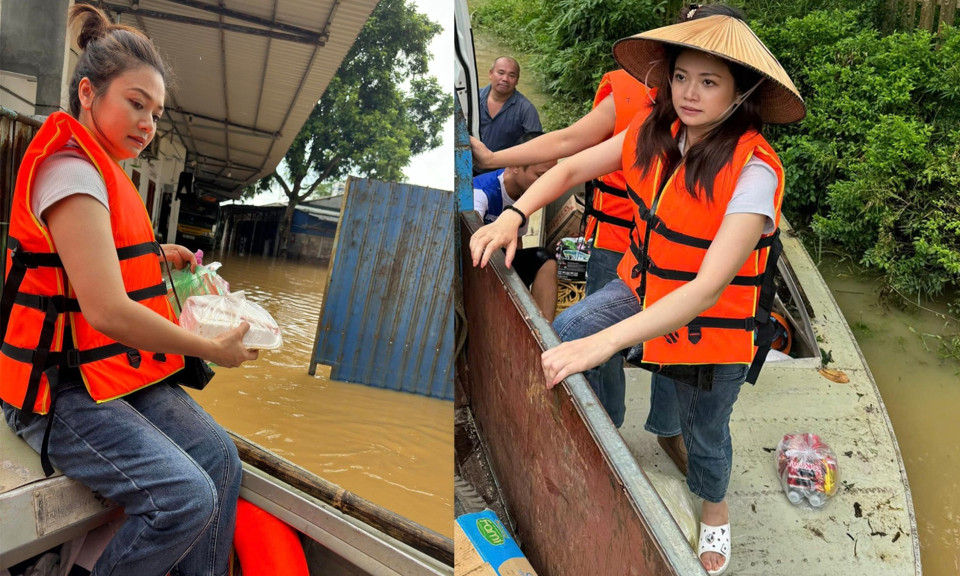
<point>482,156</point>
<point>573,357</point>
<point>179,256</point>
<point>502,233</point>
<point>229,350</point>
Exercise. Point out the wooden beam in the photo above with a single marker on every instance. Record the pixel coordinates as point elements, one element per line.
<point>238,15</point>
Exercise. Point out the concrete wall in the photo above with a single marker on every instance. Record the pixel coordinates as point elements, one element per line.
<point>33,43</point>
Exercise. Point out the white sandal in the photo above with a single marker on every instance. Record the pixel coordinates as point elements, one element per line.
<point>715,539</point>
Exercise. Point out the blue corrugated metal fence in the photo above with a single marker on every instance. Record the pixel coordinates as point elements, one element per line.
<point>387,316</point>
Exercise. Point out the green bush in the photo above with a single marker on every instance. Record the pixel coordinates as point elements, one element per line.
<point>874,166</point>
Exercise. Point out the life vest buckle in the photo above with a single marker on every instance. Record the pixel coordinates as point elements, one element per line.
<point>133,356</point>
<point>73,358</point>
<point>160,357</point>
<point>694,334</point>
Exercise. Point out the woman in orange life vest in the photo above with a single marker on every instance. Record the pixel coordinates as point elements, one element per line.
<point>693,286</point>
<point>84,265</point>
<point>609,212</point>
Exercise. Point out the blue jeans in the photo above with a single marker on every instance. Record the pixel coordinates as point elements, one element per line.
<point>601,269</point>
<point>158,454</point>
<point>703,416</point>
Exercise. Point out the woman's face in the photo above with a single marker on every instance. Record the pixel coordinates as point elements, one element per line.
<point>703,89</point>
<point>124,118</point>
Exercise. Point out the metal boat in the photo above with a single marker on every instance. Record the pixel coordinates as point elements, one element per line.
<point>340,532</point>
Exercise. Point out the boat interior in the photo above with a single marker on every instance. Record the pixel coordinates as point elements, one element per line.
<point>51,512</point>
<point>545,461</point>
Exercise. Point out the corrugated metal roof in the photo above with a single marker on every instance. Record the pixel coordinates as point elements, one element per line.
<point>387,317</point>
<point>239,97</point>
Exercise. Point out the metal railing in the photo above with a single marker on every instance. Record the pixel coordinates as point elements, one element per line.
<point>16,132</point>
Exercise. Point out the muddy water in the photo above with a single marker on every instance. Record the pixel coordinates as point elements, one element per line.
<point>921,392</point>
<point>392,448</point>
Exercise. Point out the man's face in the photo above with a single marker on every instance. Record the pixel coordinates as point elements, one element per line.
<point>526,176</point>
<point>504,77</point>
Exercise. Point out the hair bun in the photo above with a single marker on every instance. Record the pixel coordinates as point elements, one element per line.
<point>94,25</point>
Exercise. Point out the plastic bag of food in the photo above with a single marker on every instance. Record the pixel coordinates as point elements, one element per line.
<point>808,469</point>
<point>210,315</point>
<point>183,284</point>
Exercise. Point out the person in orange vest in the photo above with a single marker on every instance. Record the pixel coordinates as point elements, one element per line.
<point>608,214</point>
<point>92,356</point>
<point>693,297</point>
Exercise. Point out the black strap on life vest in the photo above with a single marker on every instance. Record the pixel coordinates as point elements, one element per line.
<point>760,322</point>
<point>766,330</point>
<point>41,358</point>
<point>53,379</point>
<point>590,189</point>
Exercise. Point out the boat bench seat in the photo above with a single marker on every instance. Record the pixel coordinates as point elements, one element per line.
<point>40,513</point>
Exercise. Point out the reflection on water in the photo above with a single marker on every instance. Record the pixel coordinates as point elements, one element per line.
<point>392,448</point>
<point>922,398</point>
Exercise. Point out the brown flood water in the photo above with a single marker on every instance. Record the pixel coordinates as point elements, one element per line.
<point>920,391</point>
<point>392,448</point>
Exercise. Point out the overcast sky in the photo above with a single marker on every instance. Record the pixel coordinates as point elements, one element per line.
<point>434,168</point>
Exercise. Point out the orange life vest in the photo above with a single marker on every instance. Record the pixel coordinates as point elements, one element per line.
<point>38,299</point>
<point>672,234</point>
<point>609,213</point>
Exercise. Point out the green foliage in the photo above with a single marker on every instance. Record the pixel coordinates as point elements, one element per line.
<point>874,166</point>
<point>379,110</point>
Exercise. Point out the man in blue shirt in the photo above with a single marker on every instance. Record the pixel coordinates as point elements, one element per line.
<point>505,113</point>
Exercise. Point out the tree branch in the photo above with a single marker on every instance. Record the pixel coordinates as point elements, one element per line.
<point>326,174</point>
<point>283,183</point>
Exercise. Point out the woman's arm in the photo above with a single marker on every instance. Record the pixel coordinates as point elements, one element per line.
<point>592,162</point>
<point>737,237</point>
<point>588,131</point>
<point>80,226</point>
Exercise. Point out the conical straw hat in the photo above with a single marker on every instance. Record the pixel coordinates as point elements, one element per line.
<point>723,36</point>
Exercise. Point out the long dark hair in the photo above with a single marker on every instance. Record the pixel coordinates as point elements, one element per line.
<point>108,50</point>
<point>708,156</point>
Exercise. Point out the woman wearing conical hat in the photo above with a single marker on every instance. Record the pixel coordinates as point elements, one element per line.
<point>694,289</point>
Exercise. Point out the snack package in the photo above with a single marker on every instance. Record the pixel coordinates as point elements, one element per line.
<point>209,315</point>
<point>573,249</point>
<point>807,468</point>
<point>183,284</point>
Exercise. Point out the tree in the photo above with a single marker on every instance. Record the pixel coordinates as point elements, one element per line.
<point>366,122</point>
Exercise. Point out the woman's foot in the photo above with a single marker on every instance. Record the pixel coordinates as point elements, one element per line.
<point>715,514</point>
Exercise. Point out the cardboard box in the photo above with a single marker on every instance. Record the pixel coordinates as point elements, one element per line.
<point>483,547</point>
<point>566,222</point>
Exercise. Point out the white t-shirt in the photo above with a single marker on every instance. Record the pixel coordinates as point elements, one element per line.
<point>66,172</point>
<point>755,190</point>
<point>480,202</point>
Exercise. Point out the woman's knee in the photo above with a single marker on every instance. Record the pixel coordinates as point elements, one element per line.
<point>187,504</point>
